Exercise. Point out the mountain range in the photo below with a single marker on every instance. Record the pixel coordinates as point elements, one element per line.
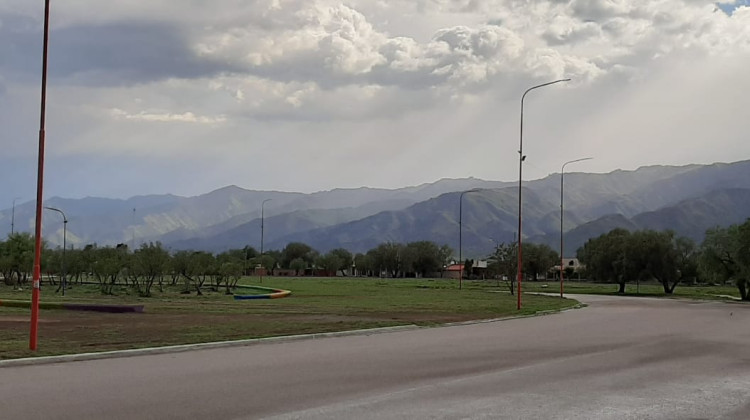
<point>687,199</point>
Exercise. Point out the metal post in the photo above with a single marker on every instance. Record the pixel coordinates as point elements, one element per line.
<point>37,271</point>
<point>521,158</point>
<point>65,234</point>
<point>460,235</point>
<point>13,217</point>
<point>132,241</point>
<point>562,256</point>
<point>262,232</point>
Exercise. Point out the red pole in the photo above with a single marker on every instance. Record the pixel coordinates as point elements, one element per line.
<point>36,276</point>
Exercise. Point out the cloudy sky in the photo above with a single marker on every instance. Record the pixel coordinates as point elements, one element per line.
<point>168,96</point>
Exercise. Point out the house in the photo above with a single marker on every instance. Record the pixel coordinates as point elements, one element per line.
<point>569,264</point>
<point>478,270</point>
<point>452,271</point>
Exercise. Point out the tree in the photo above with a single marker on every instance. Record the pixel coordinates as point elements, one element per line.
<point>295,250</point>
<point>661,256</point>
<point>230,268</point>
<point>386,257</point>
<point>182,266</point>
<point>345,257</point>
<point>202,267</point>
<point>249,252</point>
<point>74,265</point>
<point>107,266</point>
<point>687,258</point>
<point>229,272</point>
<point>54,265</point>
<point>240,255</point>
<point>538,259</point>
<point>426,256</point>
<point>724,255</point>
<point>268,262</point>
<point>330,263</point>
<point>17,258</point>
<point>445,254</point>
<point>468,265</point>
<point>605,257</point>
<point>363,264</point>
<point>504,263</point>
<point>646,254</point>
<point>298,264</point>
<point>150,262</point>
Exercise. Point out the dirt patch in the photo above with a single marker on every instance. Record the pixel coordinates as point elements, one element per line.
<point>22,319</point>
<point>70,331</point>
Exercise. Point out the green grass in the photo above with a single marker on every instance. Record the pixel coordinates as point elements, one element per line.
<point>647,289</point>
<point>316,305</point>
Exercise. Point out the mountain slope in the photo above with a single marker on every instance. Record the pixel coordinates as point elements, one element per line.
<point>588,197</point>
<point>690,218</point>
<point>488,216</point>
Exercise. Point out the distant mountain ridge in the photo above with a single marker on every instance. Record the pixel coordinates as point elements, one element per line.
<point>690,218</point>
<point>683,198</point>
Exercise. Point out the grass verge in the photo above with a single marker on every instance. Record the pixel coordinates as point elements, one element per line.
<point>316,305</point>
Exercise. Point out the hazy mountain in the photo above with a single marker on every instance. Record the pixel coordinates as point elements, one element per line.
<point>576,237</point>
<point>591,196</point>
<point>489,216</point>
<point>694,216</point>
<point>690,218</point>
<point>171,218</point>
<point>359,217</point>
<point>219,238</point>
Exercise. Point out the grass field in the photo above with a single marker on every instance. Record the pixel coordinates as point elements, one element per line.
<point>316,305</point>
<point>646,289</point>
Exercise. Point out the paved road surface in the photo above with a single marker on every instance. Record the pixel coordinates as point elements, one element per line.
<point>619,358</point>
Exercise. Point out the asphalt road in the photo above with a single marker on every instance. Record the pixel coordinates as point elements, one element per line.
<point>619,358</point>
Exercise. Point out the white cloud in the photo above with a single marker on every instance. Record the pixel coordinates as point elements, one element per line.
<point>362,85</point>
<point>185,117</point>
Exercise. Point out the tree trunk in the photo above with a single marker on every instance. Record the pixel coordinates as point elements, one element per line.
<point>742,286</point>
<point>622,288</point>
<point>665,286</point>
<point>671,288</point>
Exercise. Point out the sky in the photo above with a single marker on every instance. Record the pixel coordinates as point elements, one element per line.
<point>183,97</point>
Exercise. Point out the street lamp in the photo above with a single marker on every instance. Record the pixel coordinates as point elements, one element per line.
<point>262,231</point>
<point>65,234</point>
<point>37,271</point>
<point>460,234</point>
<point>562,257</point>
<point>521,158</point>
<point>13,216</point>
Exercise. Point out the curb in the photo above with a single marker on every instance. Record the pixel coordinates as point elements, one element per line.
<point>44,360</point>
<point>65,358</point>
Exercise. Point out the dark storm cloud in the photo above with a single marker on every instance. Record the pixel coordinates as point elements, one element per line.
<point>113,54</point>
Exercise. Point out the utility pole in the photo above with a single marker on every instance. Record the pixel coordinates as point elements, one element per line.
<point>37,270</point>
<point>13,217</point>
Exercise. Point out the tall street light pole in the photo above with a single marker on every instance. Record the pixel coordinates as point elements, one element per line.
<point>37,271</point>
<point>460,235</point>
<point>65,234</point>
<point>13,217</point>
<point>562,255</point>
<point>132,236</point>
<point>262,232</point>
<point>521,158</point>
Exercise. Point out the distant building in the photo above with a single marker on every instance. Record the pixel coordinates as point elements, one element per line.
<point>568,263</point>
<point>478,270</point>
<point>452,271</point>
